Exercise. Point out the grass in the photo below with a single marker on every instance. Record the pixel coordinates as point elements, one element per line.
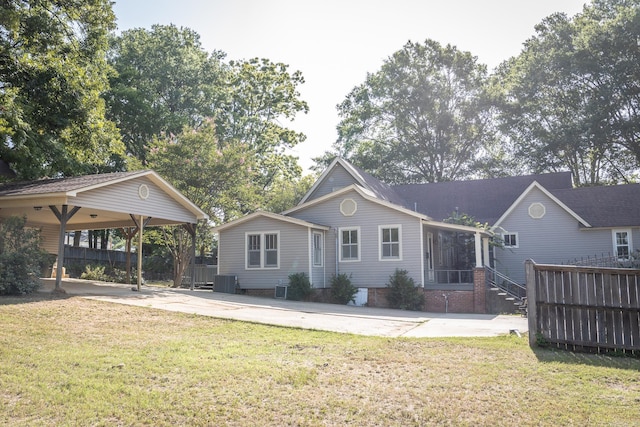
<point>72,361</point>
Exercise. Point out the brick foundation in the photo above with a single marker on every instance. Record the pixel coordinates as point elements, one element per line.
<point>438,301</point>
<point>479,291</point>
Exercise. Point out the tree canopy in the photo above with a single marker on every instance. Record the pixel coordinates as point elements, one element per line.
<point>164,81</point>
<point>53,71</point>
<point>570,100</point>
<point>420,118</point>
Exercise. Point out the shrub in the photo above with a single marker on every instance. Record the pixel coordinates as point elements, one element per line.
<point>403,293</point>
<point>342,291</point>
<point>94,273</point>
<point>299,287</point>
<point>21,259</point>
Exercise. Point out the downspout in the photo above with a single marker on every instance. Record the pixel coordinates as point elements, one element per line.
<point>310,257</point>
<point>324,263</point>
<point>337,246</point>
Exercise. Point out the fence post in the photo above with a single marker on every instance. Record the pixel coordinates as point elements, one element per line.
<point>530,273</point>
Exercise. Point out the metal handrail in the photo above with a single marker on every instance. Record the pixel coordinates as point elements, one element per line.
<point>503,282</point>
<point>453,276</point>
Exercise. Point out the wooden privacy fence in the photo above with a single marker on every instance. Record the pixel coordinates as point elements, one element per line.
<point>584,308</point>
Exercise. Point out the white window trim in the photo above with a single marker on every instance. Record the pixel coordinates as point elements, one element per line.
<point>615,242</point>
<point>517,245</point>
<point>313,249</point>
<point>262,249</point>
<point>340,230</point>
<point>383,227</point>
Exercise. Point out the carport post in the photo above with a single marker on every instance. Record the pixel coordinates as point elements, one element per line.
<point>141,227</point>
<point>191,229</point>
<point>63,217</point>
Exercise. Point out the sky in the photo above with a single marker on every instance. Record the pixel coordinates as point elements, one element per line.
<point>335,43</point>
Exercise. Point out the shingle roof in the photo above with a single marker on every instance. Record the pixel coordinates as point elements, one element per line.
<point>59,185</point>
<point>605,206</point>
<point>380,189</point>
<point>484,199</point>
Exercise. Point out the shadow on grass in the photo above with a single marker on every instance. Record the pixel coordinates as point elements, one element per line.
<point>618,360</point>
<point>37,296</point>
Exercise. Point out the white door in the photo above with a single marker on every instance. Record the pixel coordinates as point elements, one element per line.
<point>429,258</point>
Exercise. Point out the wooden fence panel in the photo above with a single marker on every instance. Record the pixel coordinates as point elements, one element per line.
<point>584,308</point>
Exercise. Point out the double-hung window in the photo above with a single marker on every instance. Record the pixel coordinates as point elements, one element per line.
<point>317,249</point>
<point>622,243</point>
<point>390,242</point>
<point>262,250</point>
<point>510,240</point>
<point>350,244</point>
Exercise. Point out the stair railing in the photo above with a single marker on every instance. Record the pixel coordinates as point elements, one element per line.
<point>496,279</point>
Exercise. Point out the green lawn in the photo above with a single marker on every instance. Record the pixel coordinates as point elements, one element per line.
<point>79,362</point>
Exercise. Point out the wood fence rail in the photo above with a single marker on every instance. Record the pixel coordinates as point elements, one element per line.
<point>584,308</point>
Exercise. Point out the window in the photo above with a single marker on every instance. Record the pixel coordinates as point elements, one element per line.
<point>317,249</point>
<point>622,243</point>
<point>349,244</point>
<point>262,250</point>
<point>390,247</point>
<point>510,240</point>
<point>270,250</point>
<point>253,251</point>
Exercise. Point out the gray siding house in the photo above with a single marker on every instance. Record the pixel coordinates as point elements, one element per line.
<point>350,222</point>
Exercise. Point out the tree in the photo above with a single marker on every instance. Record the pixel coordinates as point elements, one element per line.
<point>420,118</point>
<point>260,95</point>
<point>21,258</point>
<point>53,71</point>
<point>570,99</point>
<point>214,176</point>
<point>164,82</point>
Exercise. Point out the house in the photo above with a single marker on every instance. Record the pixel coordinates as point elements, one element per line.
<point>350,222</point>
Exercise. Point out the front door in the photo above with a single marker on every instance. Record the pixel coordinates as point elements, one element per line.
<point>429,273</point>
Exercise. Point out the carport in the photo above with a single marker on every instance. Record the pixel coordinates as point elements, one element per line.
<point>97,202</point>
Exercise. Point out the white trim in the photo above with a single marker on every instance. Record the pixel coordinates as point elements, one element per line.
<point>359,244</point>
<point>346,165</point>
<point>313,249</point>
<point>263,248</point>
<point>615,241</point>
<point>509,233</point>
<point>389,227</point>
<point>270,215</point>
<point>533,185</point>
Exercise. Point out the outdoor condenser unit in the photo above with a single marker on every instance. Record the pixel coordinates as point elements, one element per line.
<point>225,283</point>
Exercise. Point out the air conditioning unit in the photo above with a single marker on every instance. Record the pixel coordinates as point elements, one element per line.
<point>225,283</point>
<point>281,291</point>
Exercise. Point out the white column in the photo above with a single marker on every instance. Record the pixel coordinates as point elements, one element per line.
<point>485,250</point>
<point>478,250</point>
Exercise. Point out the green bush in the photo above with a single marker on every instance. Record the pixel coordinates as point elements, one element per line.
<point>299,287</point>
<point>21,259</point>
<point>342,291</point>
<point>95,273</point>
<point>403,293</point>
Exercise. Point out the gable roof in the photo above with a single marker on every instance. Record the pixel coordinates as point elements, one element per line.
<point>535,185</point>
<point>604,206</point>
<point>18,198</point>
<point>484,199</point>
<point>380,189</point>
<point>70,185</point>
<point>277,217</point>
<point>372,197</point>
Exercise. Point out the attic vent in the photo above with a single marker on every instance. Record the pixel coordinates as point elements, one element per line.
<point>348,207</point>
<point>143,191</point>
<point>537,210</point>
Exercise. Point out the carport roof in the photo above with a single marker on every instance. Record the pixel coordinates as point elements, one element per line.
<point>107,206</point>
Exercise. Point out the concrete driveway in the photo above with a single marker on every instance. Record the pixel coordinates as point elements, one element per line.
<point>306,315</point>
